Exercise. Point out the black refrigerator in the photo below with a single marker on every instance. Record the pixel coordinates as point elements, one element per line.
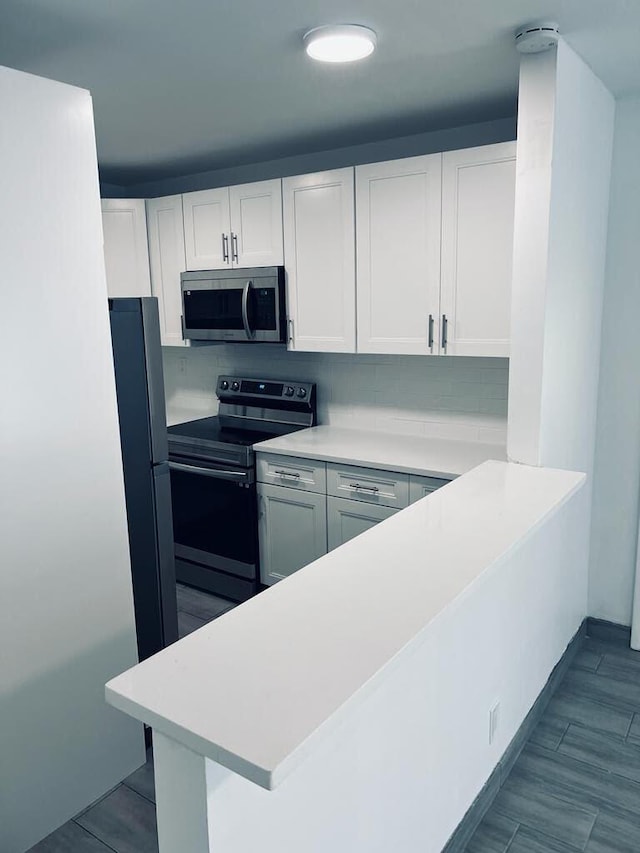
<point>137,357</point>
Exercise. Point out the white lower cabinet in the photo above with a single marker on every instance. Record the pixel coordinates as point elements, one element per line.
<point>420,487</point>
<point>292,530</point>
<point>347,519</point>
<point>353,482</point>
<point>307,507</point>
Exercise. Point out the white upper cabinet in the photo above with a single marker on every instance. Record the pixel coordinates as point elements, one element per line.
<point>167,260</point>
<point>256,224</point>
<point>478,193</point>
<point>207,229</point>
<point>234,226</point>
<point>319,253</point>
<point>398,255</point>
<point>126,255</point>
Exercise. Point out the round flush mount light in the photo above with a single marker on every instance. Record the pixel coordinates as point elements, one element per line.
<point>340,43</point>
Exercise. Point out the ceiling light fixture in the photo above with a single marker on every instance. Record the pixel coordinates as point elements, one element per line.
<point>340,43</point>
<point>535,38</point>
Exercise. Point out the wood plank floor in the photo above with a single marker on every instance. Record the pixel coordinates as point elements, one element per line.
<point>575,786</point>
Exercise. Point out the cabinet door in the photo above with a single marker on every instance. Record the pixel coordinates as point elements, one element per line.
<point>126,254</point>
<point>292,528</point>
<point>166,255</point>
<point>207,229</point>
<point>319,252</point>
<point>256,224</point>
<point>478,192</point>
<point>398,254</point>
<point>347,519</point>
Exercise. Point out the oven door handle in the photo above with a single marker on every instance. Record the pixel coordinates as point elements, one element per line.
<point>245,310</point>
<point>214,473</point>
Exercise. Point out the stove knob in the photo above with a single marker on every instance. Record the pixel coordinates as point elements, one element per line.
<point>289,391</point>
<point>235,386</point>
<point>224,385</point>
<point>302,392</point>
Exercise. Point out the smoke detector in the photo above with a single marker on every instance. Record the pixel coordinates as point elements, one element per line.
<point>534,38</point>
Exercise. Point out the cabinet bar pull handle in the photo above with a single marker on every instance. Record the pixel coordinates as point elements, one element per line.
<point>430,342</point>
<point>225,248</point>
<point>358,488</point>
<point>290,331</point>
<point>234,246</point>
<point>289,474</point>
<point>445,324</point>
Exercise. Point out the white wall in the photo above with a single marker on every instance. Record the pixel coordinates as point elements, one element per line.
<point>66,610</point>
<point>458,398</point>
<point>617,463</point>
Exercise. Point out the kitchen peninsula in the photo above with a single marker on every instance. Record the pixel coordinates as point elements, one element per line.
<point>344,687</point>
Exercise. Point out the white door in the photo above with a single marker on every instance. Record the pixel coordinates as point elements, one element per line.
<point>347,519</point>
<point>256,224</point>
<point>292,528</point>
<point>398,255</point>
<point>319,253</point>
<point>166,256</point>
<point>207,229</point>
<point>478,193</point>
<point>126,254</point>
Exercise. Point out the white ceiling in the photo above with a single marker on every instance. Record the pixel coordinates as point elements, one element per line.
<point>182,86</point>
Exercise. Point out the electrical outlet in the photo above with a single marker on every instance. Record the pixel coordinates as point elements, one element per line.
<point>494,721</point>
<point>182,366</point>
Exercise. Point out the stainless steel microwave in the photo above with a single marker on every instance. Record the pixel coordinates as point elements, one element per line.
<point>243,305</point>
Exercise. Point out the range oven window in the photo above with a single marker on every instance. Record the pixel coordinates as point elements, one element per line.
<point>213,517</point>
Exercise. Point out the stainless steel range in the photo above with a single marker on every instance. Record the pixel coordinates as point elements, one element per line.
<point>213,480</point>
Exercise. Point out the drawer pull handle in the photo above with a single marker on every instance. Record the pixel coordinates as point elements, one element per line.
<point>295,475</point>
<point>358,488</point>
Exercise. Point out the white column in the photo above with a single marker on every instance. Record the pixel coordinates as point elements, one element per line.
<point>181,797</point>
<point>565,139</point>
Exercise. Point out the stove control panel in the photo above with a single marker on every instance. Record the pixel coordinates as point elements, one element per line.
<point>232,388</point>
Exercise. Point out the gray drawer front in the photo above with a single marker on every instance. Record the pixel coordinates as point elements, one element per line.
<point>385,488</point>
<point>420,487</point>
<point>307,475</point>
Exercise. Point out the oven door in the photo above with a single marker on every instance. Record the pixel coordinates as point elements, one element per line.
<point>238,307</point>
<point>214,518</point>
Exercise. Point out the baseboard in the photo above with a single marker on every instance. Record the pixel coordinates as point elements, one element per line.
<point>610,632</point>
<point>469,823</point>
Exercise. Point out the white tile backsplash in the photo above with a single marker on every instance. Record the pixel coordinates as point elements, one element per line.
<point>457,398</point>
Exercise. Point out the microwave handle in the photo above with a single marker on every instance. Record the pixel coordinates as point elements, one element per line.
<point>245,310</point>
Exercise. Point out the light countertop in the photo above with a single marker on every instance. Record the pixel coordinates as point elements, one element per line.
<point>257,688</point>
<point>408,454</point>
